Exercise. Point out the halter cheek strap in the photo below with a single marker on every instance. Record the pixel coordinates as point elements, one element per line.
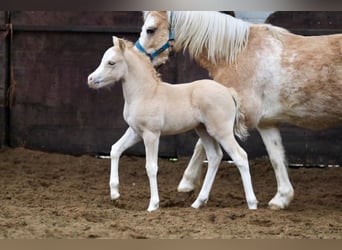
<point>155,53</point>
<point>162,48</point>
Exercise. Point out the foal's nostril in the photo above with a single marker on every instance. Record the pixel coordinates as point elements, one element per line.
<point>90,78</point>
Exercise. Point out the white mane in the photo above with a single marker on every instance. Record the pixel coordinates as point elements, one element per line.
<point>223,36</point>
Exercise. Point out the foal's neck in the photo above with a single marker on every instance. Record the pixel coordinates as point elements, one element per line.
<point>141,79</point>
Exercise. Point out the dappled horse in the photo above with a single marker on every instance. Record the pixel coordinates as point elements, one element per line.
<point>153,108</point>
<point>280,77</point>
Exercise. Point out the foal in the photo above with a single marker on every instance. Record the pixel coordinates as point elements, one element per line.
<point>153,108</point>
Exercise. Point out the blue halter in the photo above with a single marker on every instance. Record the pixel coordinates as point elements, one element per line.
<point>162,48</point>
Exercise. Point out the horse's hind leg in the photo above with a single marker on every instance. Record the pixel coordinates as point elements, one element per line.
<point>126,141</point>
<point>239,156</point>
<point>192,174</point>
<point>214,156</point>
<point>272,140</point>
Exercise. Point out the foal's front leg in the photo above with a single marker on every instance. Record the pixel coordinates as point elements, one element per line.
<point>126,141</point>
<point>151,141</point>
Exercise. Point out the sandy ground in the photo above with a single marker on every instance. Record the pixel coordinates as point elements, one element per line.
<point>45,195</point>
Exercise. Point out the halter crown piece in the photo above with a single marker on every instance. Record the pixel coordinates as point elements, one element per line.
<point>163,47</point>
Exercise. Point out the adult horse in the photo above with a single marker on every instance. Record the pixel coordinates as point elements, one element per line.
<point>280,77</point>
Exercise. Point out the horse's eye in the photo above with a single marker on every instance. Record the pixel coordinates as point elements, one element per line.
<point>111,63</point>
<point>150,31</point>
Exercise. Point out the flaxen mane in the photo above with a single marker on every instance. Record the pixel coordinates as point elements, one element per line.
<point>221,35</point>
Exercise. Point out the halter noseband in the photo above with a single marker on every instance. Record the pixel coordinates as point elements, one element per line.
<point>162,48</point>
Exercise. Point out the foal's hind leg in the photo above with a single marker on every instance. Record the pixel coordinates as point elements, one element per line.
<point>127,140</point>
<point>214,156</point>
<point>272,140</point>
<point>239,156</point>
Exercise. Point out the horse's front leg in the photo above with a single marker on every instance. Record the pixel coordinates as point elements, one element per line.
<point>151,141</point>
<point>126,141</point>
<point>272,140</point>
<point>192,174</point>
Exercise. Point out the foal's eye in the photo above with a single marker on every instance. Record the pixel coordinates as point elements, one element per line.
<point>111,63</point>
<point>150,31</point>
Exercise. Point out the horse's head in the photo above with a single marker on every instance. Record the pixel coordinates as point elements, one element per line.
<point>154,35</point>
<point>112,68</point>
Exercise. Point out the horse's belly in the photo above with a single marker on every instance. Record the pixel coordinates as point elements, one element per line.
<point>305,118</point>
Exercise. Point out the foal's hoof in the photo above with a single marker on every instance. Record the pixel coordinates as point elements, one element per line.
<point>199,203</point>
<point>252,204</point>
<point>114,196</point>
<point>153,207</point>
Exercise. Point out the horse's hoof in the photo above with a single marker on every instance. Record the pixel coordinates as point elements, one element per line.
<point>274,207</point>
<point>186,186</point>
<point>182,197</point>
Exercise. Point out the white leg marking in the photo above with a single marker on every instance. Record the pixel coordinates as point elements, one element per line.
<point>151,141</point>
<point>272,140</point>
<point>127,140</point>
<point>239,156</point>
<point>214,155</point>
<point>192,174</point>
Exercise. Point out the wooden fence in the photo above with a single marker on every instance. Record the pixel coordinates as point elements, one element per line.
<point>45,103</point>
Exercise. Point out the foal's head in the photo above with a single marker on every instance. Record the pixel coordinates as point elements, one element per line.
<point>113,66</point>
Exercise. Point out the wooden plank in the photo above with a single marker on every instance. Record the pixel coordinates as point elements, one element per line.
<point>2,88</point>
<point>313,147</point>
<point>308,22</point>
<point>3,73</point>
<point>118,19</point>
<point>2,18</point>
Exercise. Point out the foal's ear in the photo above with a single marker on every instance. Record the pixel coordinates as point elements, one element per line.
<point>119,43</point>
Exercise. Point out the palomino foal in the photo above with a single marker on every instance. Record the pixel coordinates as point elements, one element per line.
<point>153,108</point>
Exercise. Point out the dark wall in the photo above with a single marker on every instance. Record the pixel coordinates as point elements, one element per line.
<point>54,110</point>
<point>308,22</point>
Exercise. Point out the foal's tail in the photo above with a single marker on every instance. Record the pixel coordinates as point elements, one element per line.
<point>240,128</point>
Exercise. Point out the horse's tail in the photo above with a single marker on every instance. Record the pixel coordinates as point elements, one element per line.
<point>240,128</point>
